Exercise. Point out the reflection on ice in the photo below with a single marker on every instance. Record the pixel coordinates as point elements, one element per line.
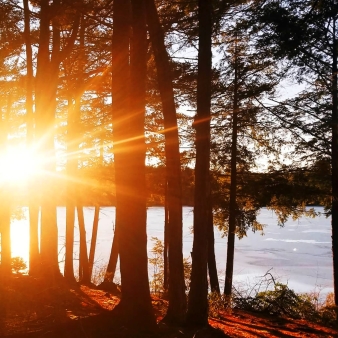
<point>310,241</point>
<point>322,231</point>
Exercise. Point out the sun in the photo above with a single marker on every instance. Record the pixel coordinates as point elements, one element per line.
<point>18,164</point>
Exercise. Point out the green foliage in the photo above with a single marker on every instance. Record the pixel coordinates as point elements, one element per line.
<point>287,192</point>
<point>187,273</point>
<point>217,304</point>
<point>18,264</point>
<point>275,298</point>
<point>284,301</point>
<point>157,263</point>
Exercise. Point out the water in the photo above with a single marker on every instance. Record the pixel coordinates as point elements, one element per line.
<point>298,254</point>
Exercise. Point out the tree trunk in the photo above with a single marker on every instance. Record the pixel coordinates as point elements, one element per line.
<point>114,253</point>
<point>233,190</point>
<point>166,244</point>
<point>177,298</point>
<point>71,168</point>
<point>73,141</point>
<point>34,255</point>
<point>46,78</point>
<point>212,268</point>
<point>135,308</point>
<point>197,314</point>
<point>70,219</point>
<point>84,276</point>
<point>5,213</point>
<point>5,230</point>
<point>46,88</point>
<point>334,149</point>
<point>93,240</point>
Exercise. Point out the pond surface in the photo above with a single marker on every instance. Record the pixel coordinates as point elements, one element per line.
<point>298,254</point>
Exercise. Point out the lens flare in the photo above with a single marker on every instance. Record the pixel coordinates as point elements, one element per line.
<point>18,164</point>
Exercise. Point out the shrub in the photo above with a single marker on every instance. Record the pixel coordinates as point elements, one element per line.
<point>18,264</point>
<point>270,296</point>
<point>157,263</point>
<point>217,303</point>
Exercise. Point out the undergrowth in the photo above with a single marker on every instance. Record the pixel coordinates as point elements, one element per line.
<point>272,297</point>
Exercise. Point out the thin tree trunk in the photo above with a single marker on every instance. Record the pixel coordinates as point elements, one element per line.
<point>70,221</point>
<point>166,244</point>
<point>84,276</point>
<point>34,254</point>
<point>93,240</point>
<point>334,149</point>
<point>5,227</point>
<point>177,298</point>
<point>212,268</point>
<point>114,253</point>
<point>73,189</point>
<point>73,141</point>
<point>233,190</point>
<point>71,168</point>
<point>5,214</point>
<point>197,314</point>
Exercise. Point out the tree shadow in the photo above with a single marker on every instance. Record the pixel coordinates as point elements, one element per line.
<point>271,326</point>
<point>34,305</point>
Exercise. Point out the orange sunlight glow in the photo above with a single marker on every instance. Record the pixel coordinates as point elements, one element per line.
<point>18,164</point>
<point>20,238</point>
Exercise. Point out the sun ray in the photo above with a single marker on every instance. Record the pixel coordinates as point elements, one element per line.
<point>17,164</point>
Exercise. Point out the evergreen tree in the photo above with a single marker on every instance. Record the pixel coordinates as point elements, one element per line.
<point>198,295</point>
<point>305,32</point>
<point>177,298</point>
<point>129,156</point>
<point>34,252</point>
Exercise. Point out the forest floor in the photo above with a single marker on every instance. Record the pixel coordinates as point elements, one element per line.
<point>28,308</point>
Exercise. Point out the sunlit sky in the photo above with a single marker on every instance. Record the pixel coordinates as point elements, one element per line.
<point>17,164</point>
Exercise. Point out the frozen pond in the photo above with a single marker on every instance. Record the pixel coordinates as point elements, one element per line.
<point>299,253</point>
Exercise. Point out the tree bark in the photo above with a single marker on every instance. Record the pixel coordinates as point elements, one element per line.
<point>177,298</point>
<point>197,314</point>
<point>5,230</point>
<point>5,213</point>
<point>93,240</point>
<point>166,244</point>
<point>334,150</point>
<point>71,168</point>
<point>135,308</point>
<point>233,190</point>
<point>46,78</point>
<point>70,219</point>
<point>73,141</point>
<point>212,268</point>
<point>84,276</point>
<point>34,254</point>
<point>114,253</point>
<point>45,94</point>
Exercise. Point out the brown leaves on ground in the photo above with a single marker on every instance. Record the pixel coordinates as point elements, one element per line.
<point>32,308</point>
